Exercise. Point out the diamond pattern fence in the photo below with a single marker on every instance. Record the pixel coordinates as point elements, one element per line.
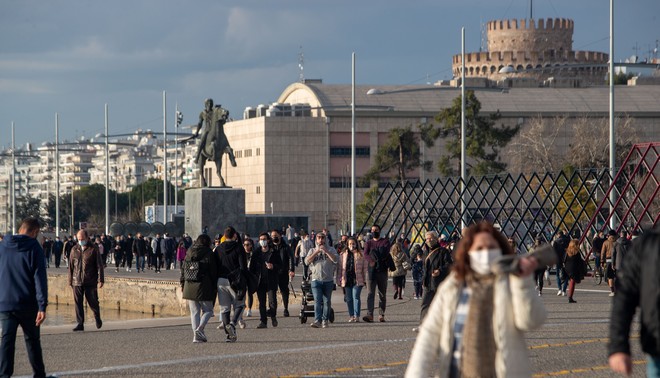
<point>580,202</point>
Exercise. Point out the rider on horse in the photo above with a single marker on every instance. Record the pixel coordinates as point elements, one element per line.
<point>213,143</point>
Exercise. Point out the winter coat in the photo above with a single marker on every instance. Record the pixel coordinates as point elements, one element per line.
<point>575,267</point>
<point>638,286</point>
<point>437,259</point>
<point>206,289</point>
<point>22,274</point>
<point>398,264</point>
<point>621,247</point>
<point>361,269</point>
<point>267,278</point>
<point>517,309</point>
<point>85,266</point>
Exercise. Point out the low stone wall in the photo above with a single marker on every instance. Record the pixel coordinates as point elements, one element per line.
<point>156,297</point>
<point>162,297</point>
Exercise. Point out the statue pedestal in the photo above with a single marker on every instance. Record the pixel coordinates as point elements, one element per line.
<point>215,208</point>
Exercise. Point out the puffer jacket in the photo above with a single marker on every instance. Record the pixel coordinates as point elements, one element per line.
<point>206,289</point>
<point>398,264</point>
<point>361,269</point>
<point>85,266</point>
<point>517,309</point>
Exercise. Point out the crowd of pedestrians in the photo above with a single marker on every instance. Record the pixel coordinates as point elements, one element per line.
<point>466,305</point>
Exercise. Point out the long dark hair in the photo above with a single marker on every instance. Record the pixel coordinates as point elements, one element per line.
<point>203,240</point>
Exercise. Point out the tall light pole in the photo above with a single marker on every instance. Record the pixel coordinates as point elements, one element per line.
<point>107,175</point>
<point>164,157</point>
<point>57,175</point>
<point>177,121</point>
<point>13,181</point>
<point>353,145</point>
<point>612,142</point>
<point>463,138</point>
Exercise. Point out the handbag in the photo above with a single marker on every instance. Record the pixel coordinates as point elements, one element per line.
<point>192,271</point>
<point>406,265</point>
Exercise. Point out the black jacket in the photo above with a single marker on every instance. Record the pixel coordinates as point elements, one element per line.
<point>231,256</point>
<point>637,285</point>
<point>139,247</point>
<point>439,258</point>
<point>267,278</point>
<point>286,257</point>
<point>206,289</point>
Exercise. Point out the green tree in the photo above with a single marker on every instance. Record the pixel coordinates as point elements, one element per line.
<point>483,143</point>
<point>28,206</point>
<point>364,208</point>
<point>400,153</point>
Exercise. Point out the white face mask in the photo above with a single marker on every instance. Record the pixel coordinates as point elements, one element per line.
<point>482,260</point>
<point>263,243</point>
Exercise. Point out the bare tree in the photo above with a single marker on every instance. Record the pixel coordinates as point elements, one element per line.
<point>590,143</point>
<point>536,148</point>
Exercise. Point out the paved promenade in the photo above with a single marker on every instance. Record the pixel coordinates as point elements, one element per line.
<point>571,343</point>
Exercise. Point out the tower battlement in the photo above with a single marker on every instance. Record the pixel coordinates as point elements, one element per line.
<point>525,24</point>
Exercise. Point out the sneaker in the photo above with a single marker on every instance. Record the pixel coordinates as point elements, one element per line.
<point>381,318</point>
<point>116,270</point>
<point>539,293</point>
<point>231,333</point>
<point>242,324</point>
<point>351,319</point>
<point>559,293</point>
<point>357,319</point>
<point>248,313</point>
<point>262,325</point>
<point>200,336</point>
<point>99,323</point>
<point>315,325</point>
<point>611,294</point>
<point>415,329</point>
<point>324,324</point>
<point>273,321</point>
<point>78,328</point>
<point>286,313</point>
<point>571,300</point>
<point>368,319</point>
<point>563,293</point>
<point>221,325</point>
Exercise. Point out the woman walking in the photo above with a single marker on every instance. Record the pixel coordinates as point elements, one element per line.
<point>199,274</point>
<point>575,267</point>
<point>398,275</point>
<point>352,272</point>
<point>475,325</point>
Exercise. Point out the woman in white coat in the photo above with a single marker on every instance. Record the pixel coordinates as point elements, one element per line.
<point>475,325</point>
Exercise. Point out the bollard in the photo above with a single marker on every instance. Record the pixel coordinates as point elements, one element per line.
<point>153,310</point>
<point>57,300</point>
<point>119,306</point>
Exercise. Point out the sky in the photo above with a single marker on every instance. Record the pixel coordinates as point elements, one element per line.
<point>72,57</point>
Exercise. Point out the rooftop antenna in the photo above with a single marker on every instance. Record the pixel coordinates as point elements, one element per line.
<point>531,7</point>
<point>301,64</point>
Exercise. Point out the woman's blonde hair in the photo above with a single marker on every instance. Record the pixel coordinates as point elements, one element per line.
<point>396,249</point>
<point>573,248</point>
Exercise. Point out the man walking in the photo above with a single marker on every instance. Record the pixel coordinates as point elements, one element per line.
<point>85,272</point>
<point>24,296</point>
<point>286,270</point>
<point>264,264</point>
<point>637,286</point>
<point>377,252</point>
<point>58,246</point>
<point>139,251</point>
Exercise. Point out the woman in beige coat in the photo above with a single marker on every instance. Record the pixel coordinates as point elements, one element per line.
<point>475,325</point>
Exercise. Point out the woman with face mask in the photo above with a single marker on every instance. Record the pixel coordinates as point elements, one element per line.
<point>352,271</point>
<point>475,325</point>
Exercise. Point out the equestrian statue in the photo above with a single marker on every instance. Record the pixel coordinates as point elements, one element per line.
<point>213,143</point>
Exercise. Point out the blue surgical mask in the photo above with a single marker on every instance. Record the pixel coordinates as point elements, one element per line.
<point>82,242</point>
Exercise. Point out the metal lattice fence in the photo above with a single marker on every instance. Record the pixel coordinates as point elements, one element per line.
<point>527,205</point>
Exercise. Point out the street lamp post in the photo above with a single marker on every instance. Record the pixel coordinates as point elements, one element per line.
<point>353,147</point>
<point>463,137</point>
<point>612,145</point>
<point>107,175</point>
<point>57,175</point>
<point>164,157</point>
<point>13,180</point>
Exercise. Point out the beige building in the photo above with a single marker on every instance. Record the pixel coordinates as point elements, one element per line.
<point>294,156</point>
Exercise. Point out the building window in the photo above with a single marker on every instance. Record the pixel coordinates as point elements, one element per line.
<point>238,154</point>
<point>248,153</point>
<point>360,151</point>
<point>345,182</point>
<point>258,152</point>
<point>258,189</point>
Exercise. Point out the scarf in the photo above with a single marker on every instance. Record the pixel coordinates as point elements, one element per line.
<point>478,345</point>
<point>350,269</point>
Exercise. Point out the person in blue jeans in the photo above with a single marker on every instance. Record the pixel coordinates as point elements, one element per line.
<point>352,276</point>
<point>322,261</point>
<point>24,297</point>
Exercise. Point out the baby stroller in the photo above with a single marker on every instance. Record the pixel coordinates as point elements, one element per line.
<point>307,304</point>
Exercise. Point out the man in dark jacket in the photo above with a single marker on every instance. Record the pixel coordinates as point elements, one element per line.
<point>377,252</point>
<point>85,273</point>
<point>58,247</point>
<point>232,284</point>
<point>168,246</point>
<point>637,285</point>
<point>286,270</point>
<point>560,244</point>
<point>23,297</point>
<point>437,265</point>
<point>264,265</point>
<point>621,247</point>
<point>139,251</point>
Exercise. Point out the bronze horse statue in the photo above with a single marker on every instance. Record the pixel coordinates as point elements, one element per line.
<point>213,144</point>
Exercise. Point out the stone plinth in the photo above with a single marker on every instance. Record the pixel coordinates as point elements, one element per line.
<point>215,208</point>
